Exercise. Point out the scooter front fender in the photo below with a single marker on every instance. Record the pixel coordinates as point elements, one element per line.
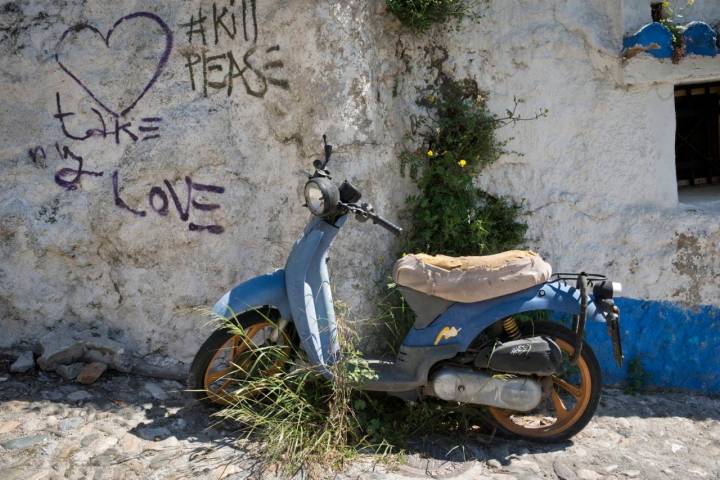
<point>463,322</point>
<point>262,291</point>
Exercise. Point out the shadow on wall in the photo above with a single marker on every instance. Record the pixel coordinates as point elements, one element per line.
<point>678,347</point>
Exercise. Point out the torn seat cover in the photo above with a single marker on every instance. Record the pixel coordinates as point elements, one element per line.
<point>471,279</point>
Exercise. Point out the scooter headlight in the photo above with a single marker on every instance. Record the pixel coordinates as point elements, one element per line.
<point>321,196</point>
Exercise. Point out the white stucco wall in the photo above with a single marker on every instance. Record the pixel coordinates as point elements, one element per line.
<point>597,174</point>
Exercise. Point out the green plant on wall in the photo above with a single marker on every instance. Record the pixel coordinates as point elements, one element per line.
<point>669,16</point>
<point>419,15</point>
<point>450,214</point>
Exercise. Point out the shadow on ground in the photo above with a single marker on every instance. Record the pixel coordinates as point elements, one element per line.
<point>167,410</point>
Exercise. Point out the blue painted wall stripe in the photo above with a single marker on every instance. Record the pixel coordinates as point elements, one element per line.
<point>678,347</point>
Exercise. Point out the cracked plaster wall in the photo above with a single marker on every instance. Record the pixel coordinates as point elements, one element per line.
<point>597,174</point>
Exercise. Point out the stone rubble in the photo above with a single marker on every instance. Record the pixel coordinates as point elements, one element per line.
<point>65,347</point>
<point>91,372</point>
<point>69,372</point>
<point>25,362</point>
<point>130,427</point>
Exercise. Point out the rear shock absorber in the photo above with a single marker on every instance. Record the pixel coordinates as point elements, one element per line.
<point>511,327</point>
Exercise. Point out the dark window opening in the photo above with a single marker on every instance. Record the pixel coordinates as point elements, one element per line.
<point>697,149</point>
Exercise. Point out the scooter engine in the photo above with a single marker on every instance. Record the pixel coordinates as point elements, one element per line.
<point>528,356</point>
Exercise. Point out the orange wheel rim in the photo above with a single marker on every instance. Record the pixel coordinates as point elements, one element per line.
<point>216,382</point>
<point>564,417</point>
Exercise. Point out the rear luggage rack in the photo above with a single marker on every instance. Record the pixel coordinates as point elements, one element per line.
<point>591,277</point>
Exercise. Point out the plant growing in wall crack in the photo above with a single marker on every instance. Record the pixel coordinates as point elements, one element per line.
<point>420,15</point>
<point>450,214</point>
<point>668,15</point>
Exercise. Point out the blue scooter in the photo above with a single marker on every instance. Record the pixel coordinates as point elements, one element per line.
<point>538,380</point>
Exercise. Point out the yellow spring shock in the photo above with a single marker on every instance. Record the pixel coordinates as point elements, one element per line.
<point>511,327</point>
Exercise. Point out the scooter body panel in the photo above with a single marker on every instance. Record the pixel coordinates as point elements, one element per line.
<point>463,322</point>
<point>308,289</point>
<point>258,292</point>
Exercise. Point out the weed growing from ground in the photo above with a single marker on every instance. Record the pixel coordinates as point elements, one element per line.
<point>637,377</point>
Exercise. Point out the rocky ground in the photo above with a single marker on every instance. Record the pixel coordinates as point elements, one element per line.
<point>126,426</point>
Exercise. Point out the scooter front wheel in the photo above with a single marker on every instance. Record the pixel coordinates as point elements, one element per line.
<point>228,358</point>
<point>572,398</point>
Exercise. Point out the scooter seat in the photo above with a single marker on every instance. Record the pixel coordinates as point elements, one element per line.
<point>471,279</point>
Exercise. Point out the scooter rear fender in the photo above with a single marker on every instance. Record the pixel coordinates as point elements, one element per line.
<point>463,322</point>
<point>262,291</point>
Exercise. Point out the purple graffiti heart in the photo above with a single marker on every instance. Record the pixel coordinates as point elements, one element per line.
<point>116,76</point>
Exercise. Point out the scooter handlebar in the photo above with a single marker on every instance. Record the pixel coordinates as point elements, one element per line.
<point>365,211</point>
<point>389,226</point>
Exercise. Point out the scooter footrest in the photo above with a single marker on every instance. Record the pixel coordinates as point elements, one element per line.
<point>389,378</point>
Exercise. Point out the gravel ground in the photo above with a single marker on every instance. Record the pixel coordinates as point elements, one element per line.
<point>125,427</point>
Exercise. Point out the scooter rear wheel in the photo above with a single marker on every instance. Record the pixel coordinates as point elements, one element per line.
<point>226,358</point>
<point>572,400</point>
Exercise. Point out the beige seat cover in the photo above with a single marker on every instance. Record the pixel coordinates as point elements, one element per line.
<point>471,279</point>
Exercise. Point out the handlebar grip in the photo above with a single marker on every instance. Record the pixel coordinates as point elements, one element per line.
<point>391,227</point>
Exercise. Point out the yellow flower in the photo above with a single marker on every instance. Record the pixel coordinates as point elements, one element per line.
<point>690,2</point>
<point>430,153</point>
<point>462,163</point>
<point>665,4</point>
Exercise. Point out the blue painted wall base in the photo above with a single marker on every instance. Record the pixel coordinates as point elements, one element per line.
<point>678,347</point>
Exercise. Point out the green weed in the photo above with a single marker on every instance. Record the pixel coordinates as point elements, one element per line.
<point>637,377</point>
<point>419,15</point>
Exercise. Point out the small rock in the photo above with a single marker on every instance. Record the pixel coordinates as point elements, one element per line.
<point>4,378</point>
<point>91,372</point>
<point>24,442</point>
<point>69,372</point>
<point>163,458</point>
<point>59,348</point>
<point>611,468</point>
<point>563,471</point>
<point>623,423</point>
<point>87,440</point>
<point>53,395</point>
<point>41,475</point>
<point>155,433</point>
<point>179,424</point>
<point>585,474</point>
<point>103,350</point>
<point>156,391</point>
<point>494,463</point>
<point>631,473</point>
<point>6,427</point>
<point>130,444</point>
<point>79,395</point>
<point>676,447</point>
<point>70,423</point>
<point>100,445</point>
<point>24,363</point>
